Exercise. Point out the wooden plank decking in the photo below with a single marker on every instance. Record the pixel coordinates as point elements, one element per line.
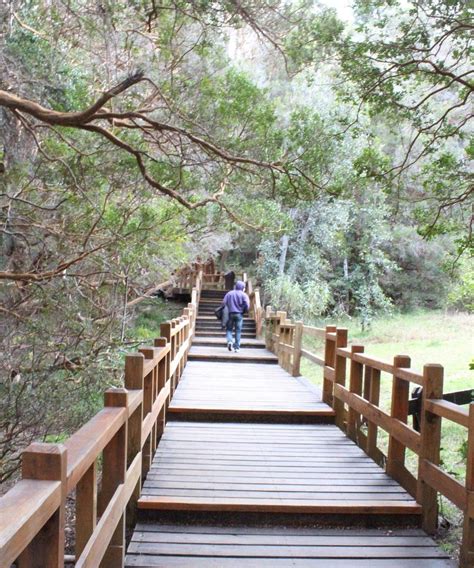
<point>198,546</point>
<point>226,388</point>
<point>249,466</point>
<point>268,468</point>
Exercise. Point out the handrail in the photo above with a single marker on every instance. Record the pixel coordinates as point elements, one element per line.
<point>351,386</point>
<point>125,433</point>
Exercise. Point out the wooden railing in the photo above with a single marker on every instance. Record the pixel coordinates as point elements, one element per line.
<point>351,386</point>
<point>123,437</point>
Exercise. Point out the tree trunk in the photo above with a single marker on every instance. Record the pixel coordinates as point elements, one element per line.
<point>283,252</point>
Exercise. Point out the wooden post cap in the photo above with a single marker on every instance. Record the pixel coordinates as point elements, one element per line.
<point>403,361</point>
<point>46,462</point>
<point>116,397</point>
<point>341,336</point>
<point>149,352</point>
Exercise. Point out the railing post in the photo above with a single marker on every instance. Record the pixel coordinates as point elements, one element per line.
<point>429,445</point>
<point>163,370</point>
<point>187,313</point>
<point>46,462</point>
<point>356,374</point>
<point>297,344</point>
<point>281,317</point>
<point>329,361</point>
<point>192,318</point>
<point>249,287</point>
<point>372,382</point>
<point>288,340</point>
<point>258,312</point>
<point>181,340</point>
<point>467,546</point>
<point>165,330</point>
<point>114,467</point>
<point>134,381</point>
<point>399,411</point>
<point>148,448</point>
<point>340,375</point>
<point>281,337</point>
<point>174,351</point>
<point>86,508</point>
<point>269,324</point>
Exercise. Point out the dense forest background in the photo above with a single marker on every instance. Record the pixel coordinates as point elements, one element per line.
<point>333,158</point>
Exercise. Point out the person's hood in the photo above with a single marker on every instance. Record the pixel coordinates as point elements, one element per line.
<point>239,285</point>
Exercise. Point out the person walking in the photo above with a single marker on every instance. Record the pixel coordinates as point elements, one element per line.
<point>238,304</point>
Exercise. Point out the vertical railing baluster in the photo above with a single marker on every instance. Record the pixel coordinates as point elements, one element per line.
<point>297,344</point>
<point>86,508</point>
<point>339,374</point>
<point>399,411</point>
<point>429,445</point>
<point>329,361</point>
<point>467,546</point>
<point>355,387</point>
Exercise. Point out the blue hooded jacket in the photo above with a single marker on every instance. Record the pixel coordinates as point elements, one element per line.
<point>237,300</point>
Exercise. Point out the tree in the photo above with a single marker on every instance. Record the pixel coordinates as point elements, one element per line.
<point>409,65</point>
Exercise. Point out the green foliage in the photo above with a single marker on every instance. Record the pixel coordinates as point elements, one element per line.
<point>461,297</point>
<point>306,301</point>
<point>420,279</point>
<point>371,163</point>
<point>312,39</point>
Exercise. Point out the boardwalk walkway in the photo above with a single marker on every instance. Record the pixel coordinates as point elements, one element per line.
<point>252,471</point>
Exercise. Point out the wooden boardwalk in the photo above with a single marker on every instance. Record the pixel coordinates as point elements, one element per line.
<point>220,459</point>
<point>224,462</point>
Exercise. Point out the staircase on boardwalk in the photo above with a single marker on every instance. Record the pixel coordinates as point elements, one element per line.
<point>252,471</point>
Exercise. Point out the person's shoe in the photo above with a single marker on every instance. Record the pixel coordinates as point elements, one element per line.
<point>229,346</point>
<point>236,350</point>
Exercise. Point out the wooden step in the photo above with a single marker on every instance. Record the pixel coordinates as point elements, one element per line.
<point>214,321</point>
<point>212,294</point>
<point>211,316</point>
<point>221,353</point>
<point>271,469</point>
<point>360,506</point>
<point>275,415</point>
<point>228,391</point>
<point>156,544</point>
<point>241,357</point>
<point>220,342</point>
<point>221,333</point>
<point>217,327</point>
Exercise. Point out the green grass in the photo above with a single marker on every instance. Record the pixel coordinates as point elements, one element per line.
<point>427,337</point>
<point>150,314</point>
